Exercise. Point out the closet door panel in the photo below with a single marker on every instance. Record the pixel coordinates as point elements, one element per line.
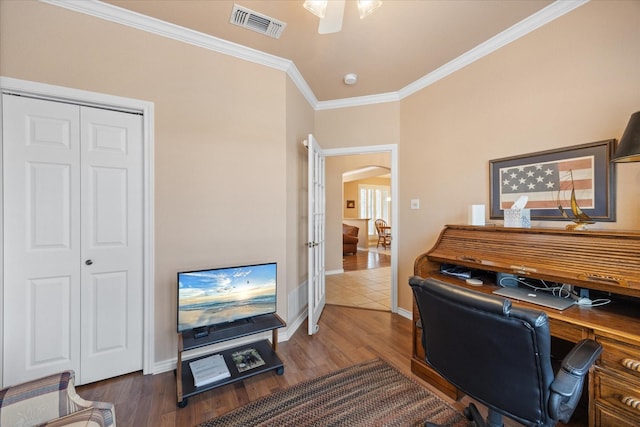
<point>112,242</point>
<point>48,206</point>
<point>50,320</point>
<point>41,167</point>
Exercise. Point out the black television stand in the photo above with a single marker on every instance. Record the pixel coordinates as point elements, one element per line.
<point>189,340</point>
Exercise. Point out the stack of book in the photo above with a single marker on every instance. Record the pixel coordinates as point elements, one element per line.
<point>209,369</point>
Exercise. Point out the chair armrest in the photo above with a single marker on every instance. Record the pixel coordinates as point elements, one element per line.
<point>349,239</point>
<point>106,409</point>
<point>581,357</point>
<point>566,388</point>
<point>575,366</point>
<point>89,417</point>
<point>49,398</point>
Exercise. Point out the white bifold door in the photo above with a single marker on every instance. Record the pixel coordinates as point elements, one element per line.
<point>73,255</point>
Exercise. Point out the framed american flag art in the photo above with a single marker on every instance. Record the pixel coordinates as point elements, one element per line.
<point>548,178</point>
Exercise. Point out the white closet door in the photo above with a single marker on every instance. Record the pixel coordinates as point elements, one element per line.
<point>111,295</point>
<point>73,240</point>
<point>41,297</point>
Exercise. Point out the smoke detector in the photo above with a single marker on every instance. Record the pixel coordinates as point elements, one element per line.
<point>350,79</point>
<point>255,21</point>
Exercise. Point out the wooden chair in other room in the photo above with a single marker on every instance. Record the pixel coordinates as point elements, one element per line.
<point>384,233</point>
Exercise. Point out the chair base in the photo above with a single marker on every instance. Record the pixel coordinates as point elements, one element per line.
<point>384,241</point>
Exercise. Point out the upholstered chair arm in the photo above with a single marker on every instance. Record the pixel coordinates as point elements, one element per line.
<point>349,239</point>
<point>567,385</point>
<point>106,409</point>
<point>46,400</point>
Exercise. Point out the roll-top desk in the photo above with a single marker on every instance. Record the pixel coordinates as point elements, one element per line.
<point>605,262</point>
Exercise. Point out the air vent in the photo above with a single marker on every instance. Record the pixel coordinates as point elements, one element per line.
<point>247,18</point>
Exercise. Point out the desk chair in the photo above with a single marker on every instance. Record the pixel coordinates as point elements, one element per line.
<point>499,355</point>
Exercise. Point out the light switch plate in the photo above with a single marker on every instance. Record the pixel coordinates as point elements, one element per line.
<point>415,203</point>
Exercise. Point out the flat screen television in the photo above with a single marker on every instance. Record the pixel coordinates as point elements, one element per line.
<point>209,298</point>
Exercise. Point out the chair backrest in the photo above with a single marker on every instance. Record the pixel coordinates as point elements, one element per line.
<point>380,223</point>
<point>350,230</point>
<point>495,353</point>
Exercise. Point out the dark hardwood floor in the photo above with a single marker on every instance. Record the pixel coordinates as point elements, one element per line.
<point>346,336</point>
<point>363,260</point>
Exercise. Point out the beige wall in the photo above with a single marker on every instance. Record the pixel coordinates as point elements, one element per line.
<point>226,159</point>
<point>220,120</point>
<point>570,82</point>
<point>359,126</point>
<point>299,124</point>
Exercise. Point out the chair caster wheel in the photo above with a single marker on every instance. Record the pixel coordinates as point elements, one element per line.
<point>280,370</point>
<point>183,403</point>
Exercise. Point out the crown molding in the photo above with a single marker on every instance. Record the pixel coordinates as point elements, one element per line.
<point>357,101</point>
<point>141,22</point>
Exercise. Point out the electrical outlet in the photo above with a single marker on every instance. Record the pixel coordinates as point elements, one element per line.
<point>415,203</point>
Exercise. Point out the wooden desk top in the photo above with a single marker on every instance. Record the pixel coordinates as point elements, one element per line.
<point>602,260</point>
<point>621,317</point>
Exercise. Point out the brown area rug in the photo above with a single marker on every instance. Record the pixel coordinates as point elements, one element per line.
<point>368,394</point>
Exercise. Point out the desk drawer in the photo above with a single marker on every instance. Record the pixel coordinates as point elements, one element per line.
<point>566,331</point>
<point>620,356</point>
<point>605,417</point>
<point>613,391</point>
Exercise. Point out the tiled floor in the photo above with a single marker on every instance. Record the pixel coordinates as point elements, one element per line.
<point>363,289</point>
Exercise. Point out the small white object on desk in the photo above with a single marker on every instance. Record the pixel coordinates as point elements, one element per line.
<point>476,215</point>
<point>474,282</point>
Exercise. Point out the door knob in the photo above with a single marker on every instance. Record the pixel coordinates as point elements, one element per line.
<point>88,262</point>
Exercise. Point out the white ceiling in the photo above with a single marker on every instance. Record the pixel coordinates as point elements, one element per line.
<point>366,172</point>
<point>399,44</point>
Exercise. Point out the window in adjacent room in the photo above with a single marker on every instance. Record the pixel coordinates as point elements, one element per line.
<point>375,203</point>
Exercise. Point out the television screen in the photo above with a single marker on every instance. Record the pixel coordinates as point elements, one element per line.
<point>222,295</point>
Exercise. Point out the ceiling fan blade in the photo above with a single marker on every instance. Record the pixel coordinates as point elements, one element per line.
<point>332,21</point>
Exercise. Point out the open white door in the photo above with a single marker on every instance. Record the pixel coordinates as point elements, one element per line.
<point>316,292</point>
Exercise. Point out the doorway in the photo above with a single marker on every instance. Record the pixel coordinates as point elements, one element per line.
<point>368,277</point>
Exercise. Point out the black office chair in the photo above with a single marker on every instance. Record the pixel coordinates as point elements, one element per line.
<point>499,355</point>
